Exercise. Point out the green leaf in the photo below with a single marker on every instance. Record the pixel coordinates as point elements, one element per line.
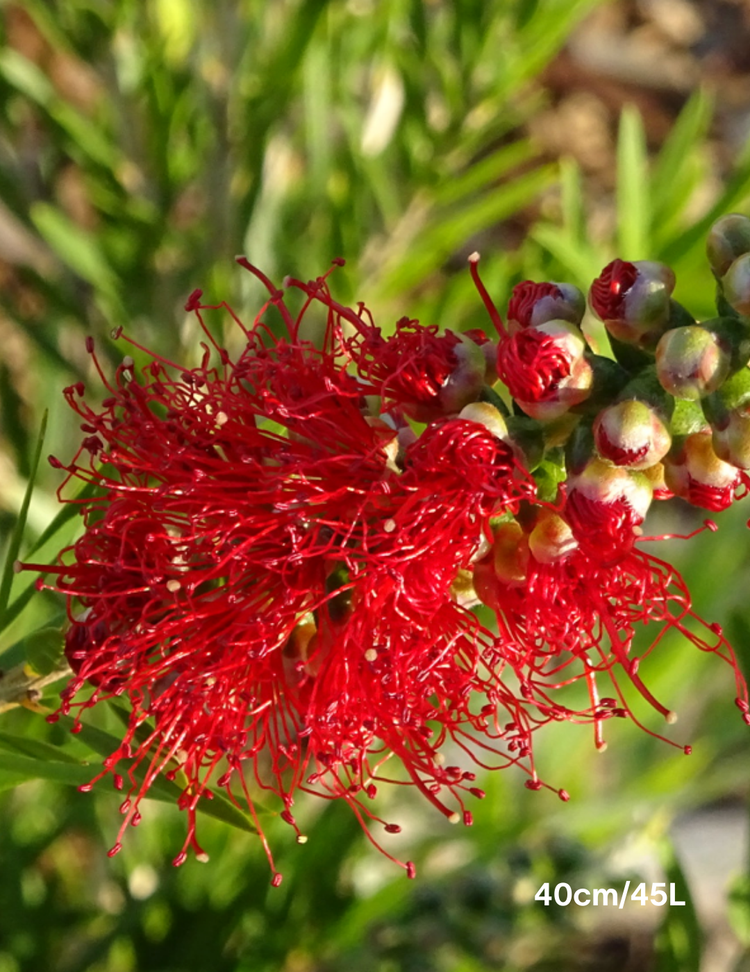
<point>574,219</point>
<point>735,194</point>
<point>70,509</point>
<point>581,260</point>
<point>219,807</point>
<point>77,248</point>
<point>44,649</point>
<point>667,185</point>
<point>36,749</point>
<point>632,187</point>
<point>25,768</point>
<point>15,541</point>
<point>739,909</point>
<point>679,943</point>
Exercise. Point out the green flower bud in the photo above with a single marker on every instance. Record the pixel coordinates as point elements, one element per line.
<point>465,383</point>
<point>690,363</point>
<point>731,441</point>
<point>736,285</point>
<point>728,239</point>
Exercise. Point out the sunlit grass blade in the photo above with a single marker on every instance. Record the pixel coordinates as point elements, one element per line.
<point>632,187</point>
<point>17,536</point>
<point>673,168</point>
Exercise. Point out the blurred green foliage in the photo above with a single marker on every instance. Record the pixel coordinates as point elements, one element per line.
<point>143,143</point>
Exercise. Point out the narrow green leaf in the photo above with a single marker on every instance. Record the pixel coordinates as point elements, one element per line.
<point>667,190</point>
<point>735,194</point>
<point>36,749</point>
<point>25,76</point>
<point>450,231</point>
<point>15,541</point>
<point>738,911</point>
<point>582,261</point>
<point>77,248</point>
<point>69,510</point>
<point>483,175</point>
<point>679,943</point>
<point>574,220</point>
<point>44,649</point>
<point>219,807</point>
<point>28,768</point>
<point>632,187</point>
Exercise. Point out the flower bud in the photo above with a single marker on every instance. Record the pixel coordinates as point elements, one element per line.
<point>487,415</point>
<point>736,285</point>
<point>510,553</point>
<point>631,434</point>
<point>489,350</point>
<point>731,438</point>
<point>655,475</point>
<point>604,506</point>
<point>532,304</point>
<point>633,300</point>
<point>728,238</point>
<point>551,540</point>
<point>690,362</point>
<point>699,476</point>
<point>546,369</point>
<point>466,381</point>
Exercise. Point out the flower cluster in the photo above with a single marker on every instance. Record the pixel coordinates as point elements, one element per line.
<point>284,548</point>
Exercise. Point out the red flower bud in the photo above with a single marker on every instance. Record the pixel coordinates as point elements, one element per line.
<point>604,506</point>
<point>631,434</point>
<point>698,475</point>
<point>546,369</point>
<point>633,300</point>
<point>532,304</point>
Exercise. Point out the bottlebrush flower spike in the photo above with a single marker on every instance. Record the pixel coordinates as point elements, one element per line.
<point>277,564</point>
<point>269,589</point>
<point>574,618</point>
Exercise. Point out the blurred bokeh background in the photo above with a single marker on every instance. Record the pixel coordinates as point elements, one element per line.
<point>144,143</point>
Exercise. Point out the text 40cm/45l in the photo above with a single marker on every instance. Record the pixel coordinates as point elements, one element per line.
<point>563,895</point>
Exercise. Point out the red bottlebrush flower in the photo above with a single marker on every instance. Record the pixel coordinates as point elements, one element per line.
<point>425,374</point>
<point>267,575</point>
<point>575,618</point>
<point>545,369</point>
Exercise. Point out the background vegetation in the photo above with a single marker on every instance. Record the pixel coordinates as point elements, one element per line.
<point>144,143</point>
